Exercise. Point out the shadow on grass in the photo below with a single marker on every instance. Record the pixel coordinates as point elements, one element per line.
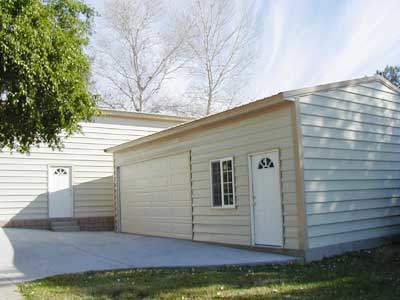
<point>361,275</point>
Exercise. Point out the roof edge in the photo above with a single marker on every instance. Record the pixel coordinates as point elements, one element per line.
<point>198,123</point>
<point>144,116</point>
<point>240,110</point>
<point>328,86</point>
<point>387,82</point>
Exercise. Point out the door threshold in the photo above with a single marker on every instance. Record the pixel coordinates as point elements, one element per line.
<point>268,246</point>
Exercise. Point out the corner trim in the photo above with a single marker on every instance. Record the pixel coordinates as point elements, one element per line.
<point>117,199</point>
<point>300,195</point>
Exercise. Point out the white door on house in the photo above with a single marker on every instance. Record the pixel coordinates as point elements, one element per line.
<point>267,204</point>
<point>60,192</point>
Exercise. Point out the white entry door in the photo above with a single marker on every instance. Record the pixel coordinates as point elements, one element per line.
<point>267,203</point>
<point>60,192</point>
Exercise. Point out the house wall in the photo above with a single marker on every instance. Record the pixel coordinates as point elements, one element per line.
<point>23,177</point>
<point>351,149</point>
<point>237,138</point>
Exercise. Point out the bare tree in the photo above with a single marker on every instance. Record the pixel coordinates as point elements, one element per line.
<point>221,50</point>
<point>137,55</point>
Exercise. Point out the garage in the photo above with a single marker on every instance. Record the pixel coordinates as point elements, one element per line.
<point>313,171</point>
<point>155,197</point>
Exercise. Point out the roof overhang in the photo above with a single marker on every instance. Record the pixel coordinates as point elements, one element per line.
<point>230,114</point>
<point>144,116</point>
<point>290,95</point>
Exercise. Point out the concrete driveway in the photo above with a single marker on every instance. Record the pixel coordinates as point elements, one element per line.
<point>32,254</point>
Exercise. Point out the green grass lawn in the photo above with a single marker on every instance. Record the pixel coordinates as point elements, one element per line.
<point>362,275</point>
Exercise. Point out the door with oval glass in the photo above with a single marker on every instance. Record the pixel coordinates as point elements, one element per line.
<point>266,202</point>
<point>60,192</point>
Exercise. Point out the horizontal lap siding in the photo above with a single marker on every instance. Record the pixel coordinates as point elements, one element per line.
<point>238,139</point>
<point>273,130</point>
<point>23,177</point>
<point>351,140</point>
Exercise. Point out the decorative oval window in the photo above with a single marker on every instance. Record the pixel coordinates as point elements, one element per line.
<point>60,171</point>
<point>265,163</point>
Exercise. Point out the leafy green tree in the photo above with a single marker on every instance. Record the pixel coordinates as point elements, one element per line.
<point>44,71</point>
<point>391,73</point>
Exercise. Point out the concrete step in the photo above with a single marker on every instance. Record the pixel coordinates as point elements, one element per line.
<point>65,228</point>
<point>64,223</point>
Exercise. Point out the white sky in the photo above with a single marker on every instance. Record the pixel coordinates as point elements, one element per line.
<point>308,42</point>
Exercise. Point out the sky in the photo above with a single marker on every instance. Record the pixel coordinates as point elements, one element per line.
<point>308,42</point>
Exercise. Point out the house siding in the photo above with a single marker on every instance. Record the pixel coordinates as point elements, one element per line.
<point>237,139</point>
<point>351,160</point>
<point>23,177</point>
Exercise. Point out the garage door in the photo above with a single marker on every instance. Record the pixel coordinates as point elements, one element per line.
<point>155,197</point>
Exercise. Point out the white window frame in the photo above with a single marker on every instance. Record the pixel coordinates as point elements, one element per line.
<point>223,205</point>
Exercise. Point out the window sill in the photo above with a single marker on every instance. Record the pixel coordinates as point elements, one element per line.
<point>224,207</point>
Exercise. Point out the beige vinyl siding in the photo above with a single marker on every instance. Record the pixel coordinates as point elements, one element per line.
<point>351,148</point>
<point>23,177</point>
<point>237,139</point>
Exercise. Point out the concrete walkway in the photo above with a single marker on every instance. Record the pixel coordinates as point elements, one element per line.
<point>32,254</point>
<point>10,292</point>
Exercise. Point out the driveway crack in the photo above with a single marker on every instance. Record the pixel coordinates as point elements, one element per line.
<point>107,259</point>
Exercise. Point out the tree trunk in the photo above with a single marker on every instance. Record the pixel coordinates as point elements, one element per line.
<point>209,102</point>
